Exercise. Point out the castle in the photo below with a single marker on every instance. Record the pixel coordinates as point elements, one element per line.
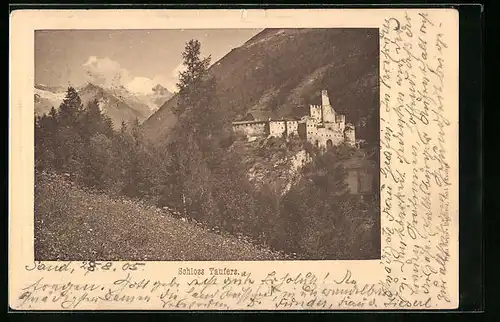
<point>322,127</point>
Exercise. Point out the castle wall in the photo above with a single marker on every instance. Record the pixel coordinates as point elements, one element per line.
<point>251,128</point>
<point>328,114</point>
<point>302,130</point>
<point>315,112</point>
<point>277,128</point>
<point>310,128</point>
<point>323,127</point>
<point>334,126</point>
<point>350,135</point>
<point>292,127</point>
<point>322,135</point>
<point>340,120</point>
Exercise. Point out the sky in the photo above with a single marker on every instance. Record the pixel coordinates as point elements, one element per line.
<point>136,59</point>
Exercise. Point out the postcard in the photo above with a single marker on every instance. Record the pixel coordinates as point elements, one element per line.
<point>233,159</point>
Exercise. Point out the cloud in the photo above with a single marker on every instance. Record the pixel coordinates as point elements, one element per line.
<point>105,72</point>
<point>175,77</point>
<point>108,73</point>
<point>167,82</point>
<point>177,70</point>
<point>140,85</point>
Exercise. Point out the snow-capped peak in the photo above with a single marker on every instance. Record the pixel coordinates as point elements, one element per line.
<point>141,85</point>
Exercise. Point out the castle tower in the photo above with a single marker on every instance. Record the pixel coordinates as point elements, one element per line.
<point>350,134</point>
<point>325,100</point>
<point>340,119</point>
<point>327,112</point>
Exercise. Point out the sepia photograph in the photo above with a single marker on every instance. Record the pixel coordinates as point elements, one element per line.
<point>207,144</point>
<point>253,159</point>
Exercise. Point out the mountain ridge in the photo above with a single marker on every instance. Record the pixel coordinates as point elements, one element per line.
<point>278,72</point>
<point>119,103</point>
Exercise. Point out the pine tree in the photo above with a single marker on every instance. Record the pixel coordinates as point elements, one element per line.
<point>136,131</point>
<point>69,147</point>
<point>71,108</point>
<point>96,135</point>
<point>96,161</point>
<point>53,114</point>
<point>196,68</point>
<point>46,127</point>
<point>92,119</point>
<point>123,128</point>
<point>198,105</point>
<point>95,122</point>
<point>108,126</point>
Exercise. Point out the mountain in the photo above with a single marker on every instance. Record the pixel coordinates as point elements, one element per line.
<point>46,97</point>
<point>279,71</point>
<point>160,96</point>
<point>49,88</point>
<point>155,98</point>
<point>119,103</point>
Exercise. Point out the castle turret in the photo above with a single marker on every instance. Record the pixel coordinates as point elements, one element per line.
<point>327,112</point>
<point>325,100</point>
<point>349,134</point>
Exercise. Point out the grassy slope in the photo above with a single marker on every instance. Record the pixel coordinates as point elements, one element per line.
<point>72,224</point>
